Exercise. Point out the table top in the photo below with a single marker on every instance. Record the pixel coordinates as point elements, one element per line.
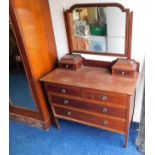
<point>92,78</point>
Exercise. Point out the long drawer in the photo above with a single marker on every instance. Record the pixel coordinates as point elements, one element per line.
<point>89,106</point>
<point>117,125</point>
<point>104,96</point>
<point>63,89</point>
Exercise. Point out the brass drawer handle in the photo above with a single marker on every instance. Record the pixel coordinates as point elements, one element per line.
<point>69,113</point>
<point>122,73</point>
<point>104,98</point>
<point>104,110</point>
<point>66,101</point>
<point>67,66</point>
<point>63,90</point>
<point>105,122</point>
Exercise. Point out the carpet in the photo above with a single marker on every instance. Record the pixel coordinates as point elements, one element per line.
<point>70,139</point>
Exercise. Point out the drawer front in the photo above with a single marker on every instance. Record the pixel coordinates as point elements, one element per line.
<point>67,66</point>
<point>105,96</point>
<point>103,122</point>
<point>63,89</point>
<point>96,108</point>
<point>123,73</point>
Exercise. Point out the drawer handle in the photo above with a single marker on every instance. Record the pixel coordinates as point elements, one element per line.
<point>104,110</point>
<point>66,101</point>
<point>104,98</point>
<point>63,90</point>
<point>67,66</point>
<point>123,73</point>
<point>105,122</point>
<point>69,113</point>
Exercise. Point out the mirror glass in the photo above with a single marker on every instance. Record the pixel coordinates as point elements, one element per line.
<point>19,90</point>
<point>98,29</point>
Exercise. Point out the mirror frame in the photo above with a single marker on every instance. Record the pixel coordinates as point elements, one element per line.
<point>128,33</point>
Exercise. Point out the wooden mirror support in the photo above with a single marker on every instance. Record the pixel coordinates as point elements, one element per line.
<point>128,29</point>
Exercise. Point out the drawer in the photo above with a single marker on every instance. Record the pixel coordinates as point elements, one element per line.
<point>96,108</point>
<point>71,62</point>
<point>63,89</point>
<point>85,118</point>
<point>104,96</point>
<point>123,73</point>
<point>67,66</point>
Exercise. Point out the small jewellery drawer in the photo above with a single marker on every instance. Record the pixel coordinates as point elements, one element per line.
<point>62,89</point>
<point>123,73</point>
<point>104,122</point>
<point>104,96</point>
<point>95,108</point>
<point>67,66</point>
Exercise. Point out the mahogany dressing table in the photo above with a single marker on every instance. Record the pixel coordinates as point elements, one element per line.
<point>91,94</point>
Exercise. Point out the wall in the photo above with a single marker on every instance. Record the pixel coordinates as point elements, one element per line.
<point>138,40</point>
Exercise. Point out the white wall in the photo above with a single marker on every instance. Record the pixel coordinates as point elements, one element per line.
<point>139,9</point>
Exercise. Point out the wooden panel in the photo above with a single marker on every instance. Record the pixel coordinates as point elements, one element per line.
<point>30,121</point>
<point>34,33</point>
<point>95,63</point>
<point>104,96</point>
<point>103,122</point>
<point>23,111</point>
<point>63,89</point>
<point>88,106</point>
<point>37,34</point>
<point>131,107</point>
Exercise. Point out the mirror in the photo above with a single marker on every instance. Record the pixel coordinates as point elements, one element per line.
<point>98,29</point>
<point>19,90</point>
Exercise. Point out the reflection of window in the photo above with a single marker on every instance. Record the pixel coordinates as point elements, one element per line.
<point>80,28</point>
<point>99,27</point>
<point>98,46</point>
<point>101,15</point>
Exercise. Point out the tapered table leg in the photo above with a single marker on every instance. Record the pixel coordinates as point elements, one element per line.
<point>55,119</point>
<point>56,122</point>
<point>126,140</point>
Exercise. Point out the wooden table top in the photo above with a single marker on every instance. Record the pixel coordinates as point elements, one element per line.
<point>93,78</point>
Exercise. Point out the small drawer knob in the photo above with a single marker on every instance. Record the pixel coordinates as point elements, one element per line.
<point>104,110</point>
<point>105,122</point>
<point>69,113</point>
<point>67,66</point>
<point>66,101</point>
<point>104,98</point>
<point>63,90</point>
<point>123,73</point>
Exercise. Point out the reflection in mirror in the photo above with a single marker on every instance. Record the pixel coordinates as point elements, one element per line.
<point>98,29</point>
<point>19,91</point>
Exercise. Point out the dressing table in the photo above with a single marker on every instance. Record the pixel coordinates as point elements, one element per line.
<point>92,94</point>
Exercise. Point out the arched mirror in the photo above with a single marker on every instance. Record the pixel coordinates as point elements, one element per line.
<point>102,29</point>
